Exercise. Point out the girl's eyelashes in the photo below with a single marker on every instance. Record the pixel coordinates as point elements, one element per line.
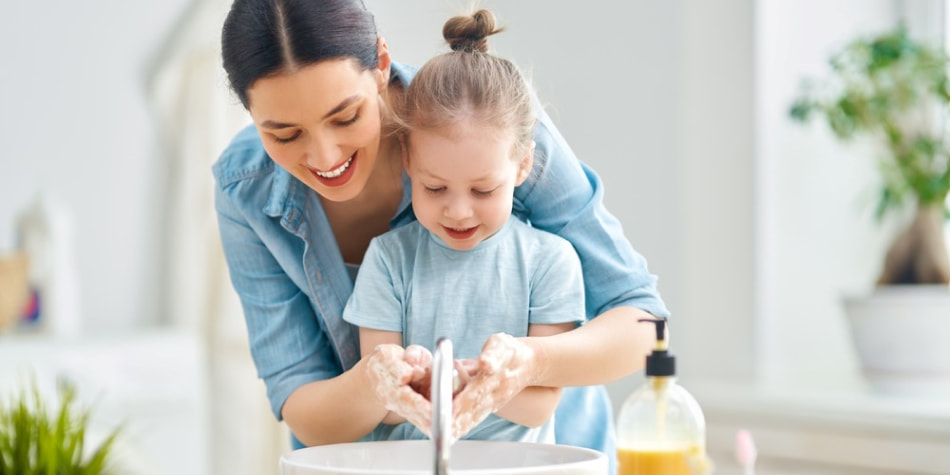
<point>477,193</point>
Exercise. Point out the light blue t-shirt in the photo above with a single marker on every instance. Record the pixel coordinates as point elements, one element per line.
<point>412,282</point>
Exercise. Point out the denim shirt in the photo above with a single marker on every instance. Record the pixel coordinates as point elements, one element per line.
<point>293,284</point>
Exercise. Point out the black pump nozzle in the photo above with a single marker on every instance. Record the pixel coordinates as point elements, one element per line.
<point>660,328</point>
<point>660,362</point>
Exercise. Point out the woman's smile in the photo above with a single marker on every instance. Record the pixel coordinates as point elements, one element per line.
<point>338,176</point>
<point>312,146</point>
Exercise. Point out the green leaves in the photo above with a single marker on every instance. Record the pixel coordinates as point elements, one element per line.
<point>894,89</point>
<point>35,441</point>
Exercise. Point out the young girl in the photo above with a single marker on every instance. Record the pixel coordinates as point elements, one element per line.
<point>466,269</point>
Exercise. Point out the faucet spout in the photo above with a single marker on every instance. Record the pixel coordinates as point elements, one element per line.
<point>443,364</point>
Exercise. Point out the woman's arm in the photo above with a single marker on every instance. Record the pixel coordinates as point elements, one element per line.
<point>340,409</point>
<point>582,356</point>
<point>534,405</point>
<point>292,353</point>
<point>565,197</point>
<point>622,344</point>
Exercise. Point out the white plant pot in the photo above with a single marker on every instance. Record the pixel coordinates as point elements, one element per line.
<point>902,336</point>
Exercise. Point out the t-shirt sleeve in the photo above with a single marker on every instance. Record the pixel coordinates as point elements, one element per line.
<point>557,288</point>
<point>377,301</point>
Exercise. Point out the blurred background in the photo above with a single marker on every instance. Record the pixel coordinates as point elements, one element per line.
<point>112,112</point>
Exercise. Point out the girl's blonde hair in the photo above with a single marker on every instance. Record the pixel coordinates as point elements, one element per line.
<point>469,84</point>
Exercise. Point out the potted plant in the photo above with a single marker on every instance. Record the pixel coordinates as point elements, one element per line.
<point>34,440</point>
<point>895,89</point>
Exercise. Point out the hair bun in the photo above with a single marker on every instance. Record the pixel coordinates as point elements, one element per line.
<point>470,32</point>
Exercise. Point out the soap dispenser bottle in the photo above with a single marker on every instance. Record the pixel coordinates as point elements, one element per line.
<point>660,428</point>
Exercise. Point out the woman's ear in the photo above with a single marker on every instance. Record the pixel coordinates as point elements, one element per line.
<point>384,63</point>
<point>527,162</point>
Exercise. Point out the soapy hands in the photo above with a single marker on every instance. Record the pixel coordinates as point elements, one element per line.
<point>402,381</point>
<point>505,367</point>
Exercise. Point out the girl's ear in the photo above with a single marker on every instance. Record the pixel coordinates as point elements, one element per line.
<point>384,65</point>
<point>527,162</point>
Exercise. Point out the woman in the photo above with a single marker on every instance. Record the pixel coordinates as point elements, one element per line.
<point>302,191</point>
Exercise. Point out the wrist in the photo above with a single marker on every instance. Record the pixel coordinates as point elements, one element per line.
<point>365,385</point>
<point>539,360</point>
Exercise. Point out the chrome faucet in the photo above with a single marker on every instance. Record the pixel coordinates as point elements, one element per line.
<point>443,365</point>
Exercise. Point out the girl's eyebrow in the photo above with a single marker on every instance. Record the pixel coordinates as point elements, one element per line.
<point>488,177</point>
<point>270,124</point>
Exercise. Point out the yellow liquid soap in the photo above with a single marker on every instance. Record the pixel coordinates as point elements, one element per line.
<point>635,462</point>
<point>660,428</point>
<point>691,461</point>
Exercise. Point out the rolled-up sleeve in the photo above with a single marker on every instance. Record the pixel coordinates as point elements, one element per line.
<point>287,344</point>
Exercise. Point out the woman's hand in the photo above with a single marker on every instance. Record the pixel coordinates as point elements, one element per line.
<point>399,377</point>
<point>504,368</point>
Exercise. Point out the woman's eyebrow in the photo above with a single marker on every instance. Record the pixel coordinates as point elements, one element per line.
<point>270,124</point>
<point>342,105</point>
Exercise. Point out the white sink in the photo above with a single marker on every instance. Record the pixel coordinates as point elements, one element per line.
<point>468,457</point>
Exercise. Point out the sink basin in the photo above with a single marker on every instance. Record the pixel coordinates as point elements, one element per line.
<point>467,457</point>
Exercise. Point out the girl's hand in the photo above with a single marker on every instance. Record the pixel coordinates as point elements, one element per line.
<point>505,367</point>
<point>395,375</point>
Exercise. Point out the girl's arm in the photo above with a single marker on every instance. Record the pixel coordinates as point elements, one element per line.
<point>534,405</point>
<point>369,340</point>
<point>508,365</point>
<point>503,381</point>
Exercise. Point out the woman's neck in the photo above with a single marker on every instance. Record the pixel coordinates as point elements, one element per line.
<point>385,181</point>
<point>355,222</point>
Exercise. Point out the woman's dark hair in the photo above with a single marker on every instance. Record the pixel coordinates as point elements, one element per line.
<point>261,38</point>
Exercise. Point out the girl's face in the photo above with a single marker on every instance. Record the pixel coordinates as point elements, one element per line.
<point>463,181</point>
<point>321,123</point>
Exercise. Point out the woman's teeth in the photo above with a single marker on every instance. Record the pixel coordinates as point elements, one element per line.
<point>337,172</point>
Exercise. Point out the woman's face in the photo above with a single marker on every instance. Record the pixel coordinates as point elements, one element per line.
<point>463,181</point>
<point>321,123</point>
